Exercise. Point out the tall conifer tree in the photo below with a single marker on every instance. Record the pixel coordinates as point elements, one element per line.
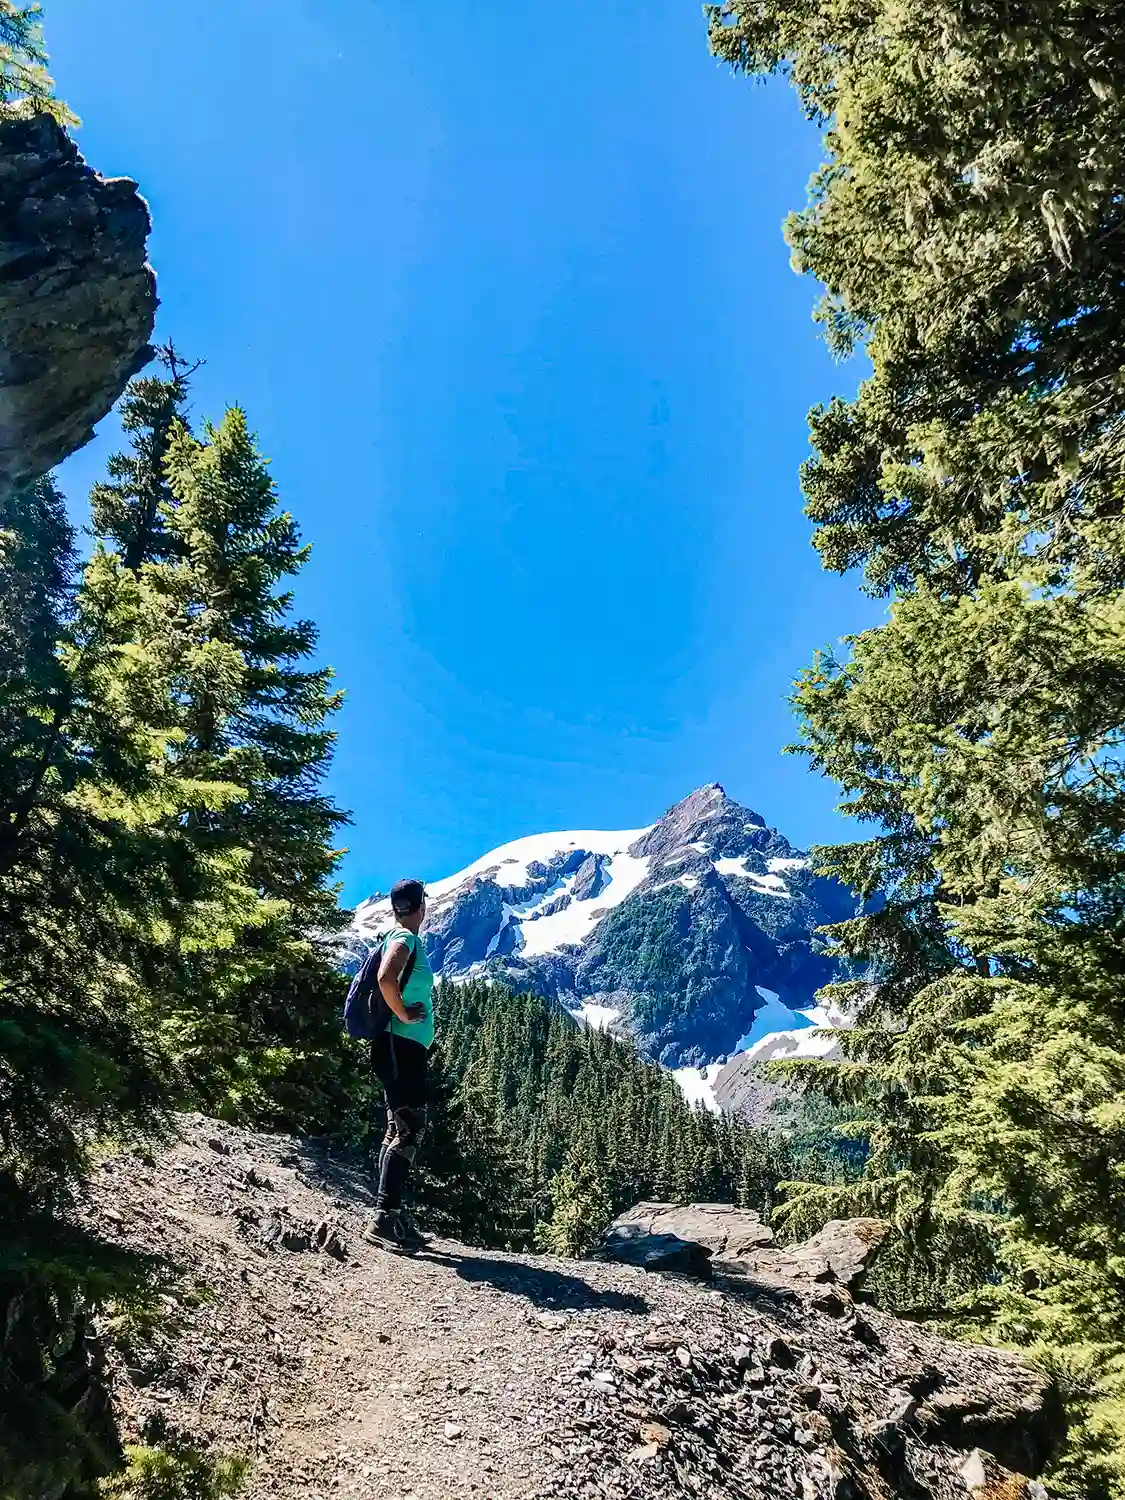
<point>96,873</point>
<point>252,710</point>
<point>581,1204</point>
<point>83,879</point>
<point>255,1028</point>
<point>129,508</point>
<point>968,226</point>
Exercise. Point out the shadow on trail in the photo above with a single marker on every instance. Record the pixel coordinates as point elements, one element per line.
<point>328,1169</point>
<point>552,1290</point>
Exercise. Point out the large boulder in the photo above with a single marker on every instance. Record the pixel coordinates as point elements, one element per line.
<point>77,298</point>
<point>841,1252</point>
<point>701,1238</point>
<point>720,1229</point>
<point>633,1245</point>
<point>682,1236</point>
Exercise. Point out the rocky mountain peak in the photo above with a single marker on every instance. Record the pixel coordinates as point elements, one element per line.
<point>710,826</point>
<point>681,934</point>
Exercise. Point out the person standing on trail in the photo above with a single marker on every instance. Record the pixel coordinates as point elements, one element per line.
<point>399,1059</point>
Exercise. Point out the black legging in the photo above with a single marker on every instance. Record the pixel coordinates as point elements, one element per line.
<point>400,1066</point>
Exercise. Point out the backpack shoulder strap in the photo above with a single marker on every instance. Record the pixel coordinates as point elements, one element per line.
<point>369,968</point>
<point>408,966</point>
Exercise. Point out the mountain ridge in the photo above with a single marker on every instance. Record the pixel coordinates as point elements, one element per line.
<point>679,934</point>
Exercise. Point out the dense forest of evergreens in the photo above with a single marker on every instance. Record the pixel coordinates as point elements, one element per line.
<point>166,850</point>
<point>544,1129</point>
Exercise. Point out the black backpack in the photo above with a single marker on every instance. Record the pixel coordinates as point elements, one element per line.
<point>366,1013</point>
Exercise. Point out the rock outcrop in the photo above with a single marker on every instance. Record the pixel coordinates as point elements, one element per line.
<point>682,1237</point>
<point>77,299</point>
<point>341,1369</point>
<point>703,1238</point>
<point>841,1252</point>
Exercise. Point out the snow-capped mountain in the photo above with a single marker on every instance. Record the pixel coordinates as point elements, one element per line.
<point>695,935</point>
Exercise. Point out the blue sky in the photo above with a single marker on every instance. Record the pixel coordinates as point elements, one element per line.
<point>504,293</point>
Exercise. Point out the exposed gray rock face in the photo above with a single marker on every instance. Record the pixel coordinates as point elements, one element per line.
<point>465,927</point>
<point>560,903</point>
<point>708,816</point>
<point>702,1237</point>
<point>716,1228</point>
<point>591,878</point>
<point>743,1088</point>
<point>77,299</point>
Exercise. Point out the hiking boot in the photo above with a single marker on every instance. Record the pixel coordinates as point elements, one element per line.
<point>386,1230</point>
<point>412,1236</point>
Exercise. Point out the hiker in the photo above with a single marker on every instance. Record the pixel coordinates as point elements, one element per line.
<point>399,1057</point>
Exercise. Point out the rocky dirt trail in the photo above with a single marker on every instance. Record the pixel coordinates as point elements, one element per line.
<point>344,1370</point>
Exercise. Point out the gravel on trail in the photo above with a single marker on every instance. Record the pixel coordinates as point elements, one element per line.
<point>345,1370</point>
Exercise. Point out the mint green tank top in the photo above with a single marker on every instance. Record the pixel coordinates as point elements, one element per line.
<point>419,990</point>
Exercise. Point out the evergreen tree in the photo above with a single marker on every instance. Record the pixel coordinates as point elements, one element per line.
<point>580,1203</point>
<point>95,872</point>
<point>255,1027</point>
<point>129,509</point>
<point>967,227</point>
<point>36,576</point>
<point>25,86</point>
<point>254,711</point>
<point>85,883</point>
<point>249,698</point>
<point>471,1182</point>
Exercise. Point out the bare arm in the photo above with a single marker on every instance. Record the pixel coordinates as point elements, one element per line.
<point>390,975</point>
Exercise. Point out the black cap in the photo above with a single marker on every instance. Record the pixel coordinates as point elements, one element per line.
<point>407,896</point>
